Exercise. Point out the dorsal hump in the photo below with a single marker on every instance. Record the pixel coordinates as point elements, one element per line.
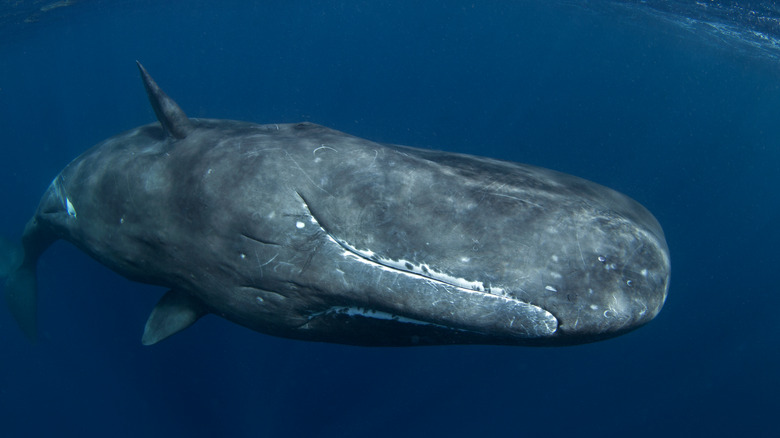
<point>171,117</point>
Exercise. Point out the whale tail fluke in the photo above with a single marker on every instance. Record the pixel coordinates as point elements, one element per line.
<point>19,264</point>
<point>20,285</point>
<point>21,296</point>
<point>10,257</point>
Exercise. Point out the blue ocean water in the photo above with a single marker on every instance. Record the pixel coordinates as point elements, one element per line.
<point>673,103</point>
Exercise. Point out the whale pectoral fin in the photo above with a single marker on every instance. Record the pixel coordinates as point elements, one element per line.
<point>174,312</point>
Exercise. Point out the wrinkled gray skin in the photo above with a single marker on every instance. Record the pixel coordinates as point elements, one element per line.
<point>301,231</point>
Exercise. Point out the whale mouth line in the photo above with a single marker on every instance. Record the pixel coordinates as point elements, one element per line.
<point>420,272</point>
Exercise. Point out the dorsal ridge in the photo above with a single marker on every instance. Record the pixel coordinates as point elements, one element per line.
<point>171,117</point>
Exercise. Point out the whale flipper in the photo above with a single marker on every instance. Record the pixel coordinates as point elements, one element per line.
<point>173,313</point>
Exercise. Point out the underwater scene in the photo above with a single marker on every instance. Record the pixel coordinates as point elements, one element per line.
<point>577,236</point>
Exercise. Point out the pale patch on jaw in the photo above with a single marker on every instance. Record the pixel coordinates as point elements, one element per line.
<point>421,269</point>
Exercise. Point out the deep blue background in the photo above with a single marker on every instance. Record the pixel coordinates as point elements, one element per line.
<point>688,128</point>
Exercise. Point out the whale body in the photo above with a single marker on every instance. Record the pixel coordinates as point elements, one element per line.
<point>305,232</point>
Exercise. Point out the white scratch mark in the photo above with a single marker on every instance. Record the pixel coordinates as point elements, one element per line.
<point>517,199</point>
<point>631,257</point>
<point>270,260</point>
<point>323,147</point>
<point>304,172</point>
<point>376,154</point>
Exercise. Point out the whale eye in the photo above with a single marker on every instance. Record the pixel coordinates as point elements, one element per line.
<point>629,283</point>
<point>602,259</point>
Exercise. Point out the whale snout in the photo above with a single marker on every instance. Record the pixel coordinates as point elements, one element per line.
<point>618,290</point>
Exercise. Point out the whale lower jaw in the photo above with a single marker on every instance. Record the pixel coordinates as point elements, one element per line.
<point>375,314</point>
<point>362,326</point>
